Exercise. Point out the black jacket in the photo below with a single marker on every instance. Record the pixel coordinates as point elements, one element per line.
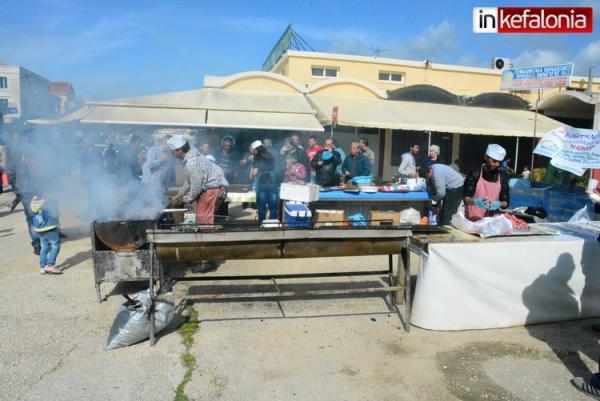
<point>326,174</point>
<point>473,176</point>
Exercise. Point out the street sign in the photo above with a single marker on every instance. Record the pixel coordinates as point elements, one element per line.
<point>547,76</point>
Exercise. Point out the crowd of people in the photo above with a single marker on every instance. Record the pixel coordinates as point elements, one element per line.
<point>209,172</point>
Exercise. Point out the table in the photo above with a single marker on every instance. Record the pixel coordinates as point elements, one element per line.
<point>470,283</point>
<point>365,202</point>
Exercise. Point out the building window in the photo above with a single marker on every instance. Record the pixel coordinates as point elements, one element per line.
<point>3,83</point>
<point>325,72</point>
<point>394,77</point>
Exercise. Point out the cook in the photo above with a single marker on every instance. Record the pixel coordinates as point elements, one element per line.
<point>486,189</point>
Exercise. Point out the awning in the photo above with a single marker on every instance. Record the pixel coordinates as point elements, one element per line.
<point>208,107</point>
<point>418,116</point>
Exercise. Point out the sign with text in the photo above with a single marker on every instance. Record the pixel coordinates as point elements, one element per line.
<point>571,149</point>
<point>533,19</point>
<point>547,76</point>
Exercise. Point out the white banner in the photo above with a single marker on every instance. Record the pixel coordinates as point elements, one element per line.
<point>571,149</point>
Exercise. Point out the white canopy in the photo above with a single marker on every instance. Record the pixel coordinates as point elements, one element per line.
<point>418,116</point>
<point>208,107</point>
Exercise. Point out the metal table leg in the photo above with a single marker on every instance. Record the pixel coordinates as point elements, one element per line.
<point>391,281</point>
<point>407,283</point>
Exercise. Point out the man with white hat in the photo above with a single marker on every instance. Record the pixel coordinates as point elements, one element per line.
<point>202,181</point>
<point>486,189</point>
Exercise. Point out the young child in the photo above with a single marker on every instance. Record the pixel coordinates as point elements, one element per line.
<point>45,224</point>
<point>295,171</point>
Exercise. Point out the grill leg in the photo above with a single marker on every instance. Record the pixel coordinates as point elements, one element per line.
<point>403,276</point>
<point>391,281</point>
<point>151,291</point>
<point>98,293</point>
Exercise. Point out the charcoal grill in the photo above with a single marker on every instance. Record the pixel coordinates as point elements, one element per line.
<point>120,251</point>
<point>244,241</point>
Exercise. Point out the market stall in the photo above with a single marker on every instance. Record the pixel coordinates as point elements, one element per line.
<point>470,283</point>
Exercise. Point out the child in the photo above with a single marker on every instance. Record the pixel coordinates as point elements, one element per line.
<point>45,224</point>
<point>295,171</point>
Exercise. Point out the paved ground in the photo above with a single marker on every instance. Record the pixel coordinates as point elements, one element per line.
<point>52,334</point>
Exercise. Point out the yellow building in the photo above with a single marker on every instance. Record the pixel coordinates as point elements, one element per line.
<point>391,74</point>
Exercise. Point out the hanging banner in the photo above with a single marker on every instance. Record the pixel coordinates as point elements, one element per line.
<point>571,149</point>
<point>546,76</point>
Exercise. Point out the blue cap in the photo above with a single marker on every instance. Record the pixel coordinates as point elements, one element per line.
<point>327,155</point>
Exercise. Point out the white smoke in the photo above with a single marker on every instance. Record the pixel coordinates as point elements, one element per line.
<point>53,164</point>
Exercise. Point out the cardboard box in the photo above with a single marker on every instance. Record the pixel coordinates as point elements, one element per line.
<point>329,218</point>
<point>379,218</point>
<point>299,192</point>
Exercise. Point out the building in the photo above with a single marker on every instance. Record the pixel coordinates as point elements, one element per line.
<point>65,92</point>
<point>25,95</point>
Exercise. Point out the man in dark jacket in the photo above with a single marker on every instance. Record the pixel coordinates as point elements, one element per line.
<point>355,164</point>
<point>325,164</point>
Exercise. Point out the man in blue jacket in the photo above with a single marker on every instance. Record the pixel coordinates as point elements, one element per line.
<point>355,164</point>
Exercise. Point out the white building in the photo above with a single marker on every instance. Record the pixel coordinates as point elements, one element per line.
<point>25,95</point>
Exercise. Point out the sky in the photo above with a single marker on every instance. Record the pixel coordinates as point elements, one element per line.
<point>113,49</point>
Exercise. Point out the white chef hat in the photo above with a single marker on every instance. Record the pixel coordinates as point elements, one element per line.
<point>255,144</point>
<point>495,151</point>
<point>176,142</point>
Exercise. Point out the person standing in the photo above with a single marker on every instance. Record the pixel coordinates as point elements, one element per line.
<point>325,164</point>
<point>526,173</point>
<point>446,186</point>
<point>228,158</point>
<point>158,159</point>
<point>267,188</point>
<point>342,154</point>
<point>45,223</point>
<point>408,165</point>
<point>355,164</point>
<point>486,189</point>
<point>365,150</point>
<point>202,183</point>
<point>313,149</point>
<point>434,154</point>
<point>130,157</point>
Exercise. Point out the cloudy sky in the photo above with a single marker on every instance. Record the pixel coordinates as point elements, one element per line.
<point>111,49</point>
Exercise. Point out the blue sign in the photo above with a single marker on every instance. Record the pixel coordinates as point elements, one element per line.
<point>12,110</point>
<point>547,76</point>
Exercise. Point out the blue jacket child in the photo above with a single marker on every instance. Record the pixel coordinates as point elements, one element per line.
<point>45,223</point>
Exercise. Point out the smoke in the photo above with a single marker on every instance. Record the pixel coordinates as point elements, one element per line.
<point>91,184</point>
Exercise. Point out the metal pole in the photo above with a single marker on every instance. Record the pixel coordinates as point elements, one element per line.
<point>428,142</point>
<point>535,127</point>
<point>516,155</point>
<point>151,292</point>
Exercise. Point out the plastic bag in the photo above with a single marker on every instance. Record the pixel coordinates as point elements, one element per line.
<point>362,179</point>
<point>580,216</point>
<point>132,323</point>
<point>357,220</point>
<point>486,227</point>
<point>410,216</point>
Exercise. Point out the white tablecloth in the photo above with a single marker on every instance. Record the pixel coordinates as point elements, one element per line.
<point>503,282</point>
